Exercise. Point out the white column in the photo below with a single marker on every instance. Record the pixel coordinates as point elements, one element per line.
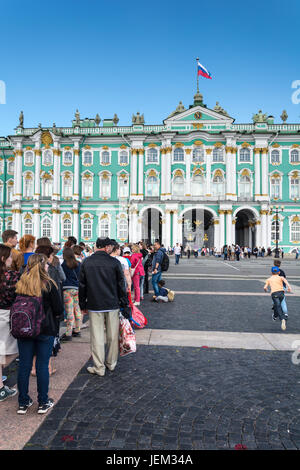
<point>133,173</point>
<point>233,232</point>
<point>188,172</point>
<point>56,183</point>
<point>264,228</point>
<point>257,173</point>
<point>217,234</point>
<point>168,229</point>
<point>233,173</point>
<point>229,227</point>
<point>222,228</point>
<point>16,222</point>
<point>168,172</point>
<point>258,233</point>
<point>36,222</point>
<point>141,174</point>
<point>75,222</point>
<point>208,172</point>
<point>76,175</point>
<point>264,173</point>
<point>175,227</point>
<point>37,174</point>
<point>18,174</point>
<point>163,174</point>
<point>228,173</point>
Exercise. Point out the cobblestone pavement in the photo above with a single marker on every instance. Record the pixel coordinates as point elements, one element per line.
<point>180,398</point>
<point>166,397</point>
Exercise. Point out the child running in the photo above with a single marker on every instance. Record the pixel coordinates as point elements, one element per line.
<point>277,263</point>
<point>276,284</point>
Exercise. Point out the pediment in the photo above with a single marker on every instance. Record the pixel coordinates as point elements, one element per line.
<point>198,114</point>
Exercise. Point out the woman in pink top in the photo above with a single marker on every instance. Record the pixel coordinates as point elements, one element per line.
<point>137,266</point>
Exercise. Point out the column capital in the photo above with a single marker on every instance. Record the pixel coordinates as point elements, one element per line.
<point>37,152</point>
<point>188,151</point>
<point>257,150</point>
<point>208,151</point>
<point>76,151</point>
<point>57,152</point>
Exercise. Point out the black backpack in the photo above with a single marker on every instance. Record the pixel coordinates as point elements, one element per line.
<point>165,262</point>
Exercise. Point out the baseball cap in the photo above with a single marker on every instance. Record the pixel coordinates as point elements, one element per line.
<point>275,270</point>
<point>103,242</point>
<point>126,249</point>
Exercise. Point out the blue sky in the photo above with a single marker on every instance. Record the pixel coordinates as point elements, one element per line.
<point>123,57</point>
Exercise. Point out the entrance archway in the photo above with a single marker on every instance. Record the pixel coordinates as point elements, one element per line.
<point>198,229</point>
<point>151,226</point>
<point>245,228</point>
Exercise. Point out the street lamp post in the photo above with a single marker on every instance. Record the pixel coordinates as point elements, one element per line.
<point>276,210</point>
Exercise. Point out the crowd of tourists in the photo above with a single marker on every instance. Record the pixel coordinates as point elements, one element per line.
<point>66,283</point>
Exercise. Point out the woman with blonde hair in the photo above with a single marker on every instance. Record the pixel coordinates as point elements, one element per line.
<point>27,247</point>
<point>36,282</point>
<point>137,270</point>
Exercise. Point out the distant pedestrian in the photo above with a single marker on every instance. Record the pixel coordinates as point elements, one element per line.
<point>276,284</point>
<point>177,252</point>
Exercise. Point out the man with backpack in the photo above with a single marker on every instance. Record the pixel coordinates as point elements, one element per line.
<point>160,263</point>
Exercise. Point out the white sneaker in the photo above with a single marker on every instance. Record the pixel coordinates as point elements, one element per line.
<point>283,324</point>
<point>136,303</point>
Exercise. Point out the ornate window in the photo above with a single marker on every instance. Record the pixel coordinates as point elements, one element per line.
<point>178,186</point>
<point>123,186</point>
<point>295,187</point>
<point>123,157</point>
<point>87,228</point>
<point>105,158</point>
<point>218,155</point>
<point>275,183</point>
<point>295,230</point>
<point>67,228</point>
<point>46,227</point>
<point>87,185</point>
<point>274,235</point>
<point>218,184</point>
<point>104,226</point>
<point>47,157</point>
<point>295,156</point>
<point>198,155</point>
<point>67,185</point>
<point>28,185</point>
<point>9,223</point>
<point>123,228</point>
<point>152,186</point>
<point>105,185</point>
<point>68,157</point>
<point>275,157</point>
<point>10,191</point>
<point>28,226</point>
<point>152,155</point>
<point>198,185</point>
<point>28,157</point>
<point>47,186</point>
<point>10,167</point>
<point>245,155</point>
<point>178,155</point>
<point>87,158</point>
<point>245,185</point>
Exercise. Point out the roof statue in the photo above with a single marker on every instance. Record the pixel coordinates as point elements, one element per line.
<point>21,119</point>
<point>259,117</point>
<point>115,119</point>
<point>77,118</point>
<point>220,110</point>
<point>138,119</point>
<point>284,115</point>
<point>97,119</point>
<point>180,108</point>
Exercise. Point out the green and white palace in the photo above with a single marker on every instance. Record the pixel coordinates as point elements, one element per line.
<point>96,178</point>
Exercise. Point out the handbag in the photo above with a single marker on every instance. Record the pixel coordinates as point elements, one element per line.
<point>134,269</point>
<point>127,340</point>
<point>137,319</point>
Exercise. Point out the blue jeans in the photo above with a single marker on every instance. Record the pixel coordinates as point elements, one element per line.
<point>155,279</point>
<point>41,346</point>
<point>277,298</point>
<point>142,279</point>
<point>177,259</point>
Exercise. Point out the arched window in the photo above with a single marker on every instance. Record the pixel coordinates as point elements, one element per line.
<point>47,187</point>
<point>245,155</point>
<point>67,185</point>
<point>10,191</point>
<point>198,155</point>
<point>104,227</point>
<point>295,188</point>
<point>105,157</point>
<point>152,186</point>
<point>104,186</point>
<point>28,186</point>
<point>11,167</point>
<point>123,157</point>
<point>123,187</point>
<point>275,188</point>
<point>295,231</point>
<point>87,186</point>
<point>67,228</point>
<point>178,186</point>
<point>46,227</point>
<point>87,228</point>
<point>47,157</point>
<point>9,223</point>
<point>123,228</point>
<point>152,156</point>
<point>28,158</point>
<point>294,156</point>
<point>275,235</point>
<point>218,154</point>
<point>245,186</point>
<point>87,157</point>
<point>28,229</point>
<point>197,185</point>
<point>68,158</point>
<point>275,156</point>
<point>178,155</point>
<point>218,186</point>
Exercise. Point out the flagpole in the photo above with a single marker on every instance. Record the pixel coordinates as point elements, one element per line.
<point>197,75</point>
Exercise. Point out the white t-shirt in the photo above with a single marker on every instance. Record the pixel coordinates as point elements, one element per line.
<point>177,250</point>
<point>123,262</point>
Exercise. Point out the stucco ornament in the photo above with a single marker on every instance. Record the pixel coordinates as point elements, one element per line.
<point>259,117</point>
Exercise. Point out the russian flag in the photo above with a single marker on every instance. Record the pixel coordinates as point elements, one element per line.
<point>203,71</point>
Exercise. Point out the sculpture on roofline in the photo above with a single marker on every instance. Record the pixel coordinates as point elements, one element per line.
<point>97,119</point>
<point>220,110</point>
<point>115,119</point>
<point>77,118</point>
<point>259,117</point>
<point>21,119</point>
<point>138,119</point>
<point>284,115</point>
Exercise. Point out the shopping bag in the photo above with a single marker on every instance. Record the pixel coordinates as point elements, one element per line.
<point>127,341</point>
<point>137,319</point>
